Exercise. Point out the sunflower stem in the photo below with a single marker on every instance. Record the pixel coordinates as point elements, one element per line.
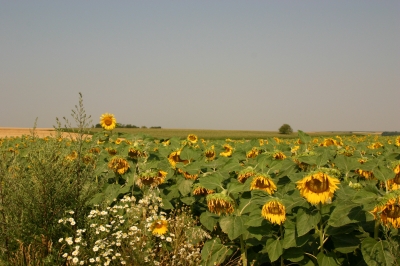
<point>321,230</point>
<point>376,229</point>
<point>243,251</point>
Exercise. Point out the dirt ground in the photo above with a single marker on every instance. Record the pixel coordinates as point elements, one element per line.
<point>13,132</point>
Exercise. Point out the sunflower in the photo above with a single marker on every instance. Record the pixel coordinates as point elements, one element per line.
<point>274,211</point>
<point>329,142</point>
<point>245,174</point>
<point>375,145</point>
<point>199,190</point>
<point>95,150</point>
<point>389,213</point>
<point>210,153</point>
<point>187,175</point>
<point>118,165</point>
<point>134,153</point>
<point>111,151</point>
<point>192,138</point>
<point>318,187</point>
<point>263,182</point>
<point>88,159</point>
<point>397,141</point>
<point>252,153</point>
<point>159,227</point>
<point>72,156</point>
<point>174,158</point>
<point>294,149</point>
<point>228,151</point>
<point>277,140</point>
<point>152,178</point>
<point>365,174</point>
<point>118,141</point>
<point>279,156</point>
<point>108,121</point>
<point>220,203</point>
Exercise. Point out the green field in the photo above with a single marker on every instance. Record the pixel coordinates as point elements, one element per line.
<point>162,133</point>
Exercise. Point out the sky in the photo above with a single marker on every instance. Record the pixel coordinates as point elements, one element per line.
<point>226,65</point>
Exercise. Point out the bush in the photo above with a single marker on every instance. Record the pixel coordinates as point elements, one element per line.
<point>285,129</point>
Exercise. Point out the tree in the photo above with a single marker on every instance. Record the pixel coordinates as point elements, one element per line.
<point>285,129</point>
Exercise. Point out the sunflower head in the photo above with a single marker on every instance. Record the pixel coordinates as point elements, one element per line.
<point>152,178</point>
<point>318,187</point>
<point>263,182</point>
<point>72,156</point>
<point>174,158</point>
<point>118,141</point>
<point>397,141</point>
<point>388,212</point>
<point>111,151</point>
<point>375,145</point>
<point>220,203</point>
<point>192,138</point>
<point>365,174</point>
<point>279,156</point>
<point>135,153</point>
<point>228,150</point>
<point>210,154</point>
<point>187,175</point>
<point>253,153</point>
<point>274,211</point>
<point>118,165</point>
<point>108,121</point>
<point>245,174</point>
<point>159,227</point>
<point>199,190</point>
<point>329,142</point>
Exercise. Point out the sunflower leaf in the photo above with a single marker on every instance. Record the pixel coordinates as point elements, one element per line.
<point>209,220</point>
<point>214,252</point>
<point>306,221</point>
<point>274,249</point>
<point>377,252</point>
<point>233,226</point>
<point>327,259</point>
<point>212,181</point>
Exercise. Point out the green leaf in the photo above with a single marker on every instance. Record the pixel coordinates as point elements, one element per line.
<point>213,181</point>
<point>234,187</point>
<point>233,226</point>
<point>322,158</point>
<point>376,252</point>
<point>214,252</point>
<point>189,154</point>
<point>305,221</point>
<point>167,204</point>
<point>346,243</point>
<point>274,249</point>
<point>185,187</point>
<point>209,220</point>
<point>188,200</point>
<point>294,254</point>
<point>305,138</point>
<point>292,238</point>
<point>346,213</point>
<point>327,259</point>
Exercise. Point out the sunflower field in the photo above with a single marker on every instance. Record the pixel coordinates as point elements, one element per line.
<point>135,200</point>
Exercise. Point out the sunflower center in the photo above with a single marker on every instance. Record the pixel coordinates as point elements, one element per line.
<point>274,209</point>
<point>262,184</point>
<point>317,186</point>
<point>108,121</point>
<point>393,211</point>
<point>397,179</point>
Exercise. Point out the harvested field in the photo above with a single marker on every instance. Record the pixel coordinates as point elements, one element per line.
<point>17,132</point>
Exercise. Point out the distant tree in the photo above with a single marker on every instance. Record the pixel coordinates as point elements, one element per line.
<point>98,126</point>
<point>285,129</point>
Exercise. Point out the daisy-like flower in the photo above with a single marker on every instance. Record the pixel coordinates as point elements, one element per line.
<point>228,151</point>
<point>152,178</point>
<point>210,154</point>
<point>263,182</point>
<point>389,212</point>
<point>108,121</point>
<point>274,211</point>
<point>220,203</point>
<point>245,174</point>
<point>159,227</point>
<point>199,190</point>
<point>318,187</point>
<point>118,165</point>
<point>192,138</point>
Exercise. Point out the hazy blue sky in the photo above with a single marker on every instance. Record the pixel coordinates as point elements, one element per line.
<point>248,65</point>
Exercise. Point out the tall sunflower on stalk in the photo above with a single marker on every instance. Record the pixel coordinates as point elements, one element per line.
<point>118,165</point>
<point>388,211</point>
<point>220,203</point>
<point>108,121</point>
<point>318,187</point>
<point>274,211</point>
<point>263,182</point>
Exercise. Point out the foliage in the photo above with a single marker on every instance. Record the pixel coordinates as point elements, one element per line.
<point>285,129</point>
